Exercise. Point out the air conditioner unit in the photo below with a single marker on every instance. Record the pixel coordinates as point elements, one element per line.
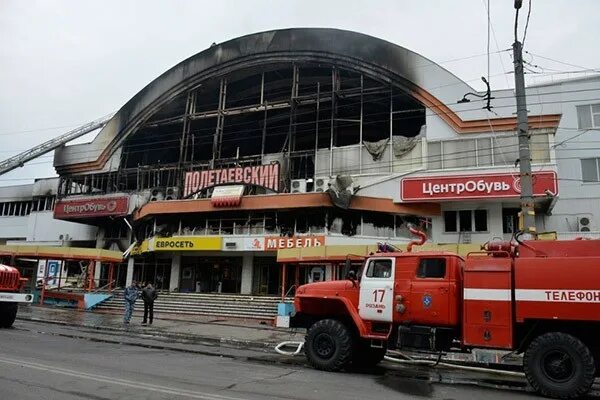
<point>172,193</point>
<point>157,194</point>
<point>298,186</point>
<point>584,224</point>
<point>321,183</point>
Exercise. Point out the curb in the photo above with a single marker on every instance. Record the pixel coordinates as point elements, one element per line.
<point>221,341</point>
<point>264,323</point>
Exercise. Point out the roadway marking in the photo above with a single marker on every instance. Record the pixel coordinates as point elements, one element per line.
<point>112,380</point>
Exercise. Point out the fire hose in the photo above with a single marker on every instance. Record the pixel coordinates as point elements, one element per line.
<point>391,356</point>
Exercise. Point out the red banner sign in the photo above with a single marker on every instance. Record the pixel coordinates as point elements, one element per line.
<point>266,176</point>
<point>278,242</point>
<point>96,207</point>
<point>463,187</point>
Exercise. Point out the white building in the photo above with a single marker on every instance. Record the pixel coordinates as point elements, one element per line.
<point>27,217</point>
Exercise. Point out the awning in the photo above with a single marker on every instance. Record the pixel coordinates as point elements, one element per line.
<point>227,196</point>
<point>62,253</point>
<point>339,253</point>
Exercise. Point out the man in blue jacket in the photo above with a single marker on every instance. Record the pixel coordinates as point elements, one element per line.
<point>130,294</point>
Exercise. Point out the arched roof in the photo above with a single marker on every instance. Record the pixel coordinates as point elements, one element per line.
<point>386,61</point>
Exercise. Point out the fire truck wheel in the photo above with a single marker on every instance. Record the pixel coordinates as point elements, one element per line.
<point>8,313</point>
<point>559,365</point>
<point>367,356</point>
<point>328,345</point>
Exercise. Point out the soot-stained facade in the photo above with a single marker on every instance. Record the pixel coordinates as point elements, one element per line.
<point>290,139</point>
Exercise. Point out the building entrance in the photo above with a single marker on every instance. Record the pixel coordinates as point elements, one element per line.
<point>153,270</point>
<point>211,274</point>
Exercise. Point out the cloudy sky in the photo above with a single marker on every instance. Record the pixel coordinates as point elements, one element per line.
<point>64,63</point>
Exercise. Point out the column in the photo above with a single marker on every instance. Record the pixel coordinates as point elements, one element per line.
<point>247,273</point>
<point>97,272</point>
<point>175,268</point>
<point>328,273</point>
<point>129,276</point>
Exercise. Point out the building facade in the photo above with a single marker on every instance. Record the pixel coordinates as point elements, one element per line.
<point>304,138</point>
<point>27,219</point>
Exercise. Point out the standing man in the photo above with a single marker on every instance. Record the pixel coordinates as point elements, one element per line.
<point>148,295</point>
<point>130,294</point>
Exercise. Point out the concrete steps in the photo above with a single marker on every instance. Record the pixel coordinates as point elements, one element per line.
<point>226,305</point>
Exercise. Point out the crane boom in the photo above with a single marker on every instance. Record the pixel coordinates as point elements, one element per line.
<point>20,159</point>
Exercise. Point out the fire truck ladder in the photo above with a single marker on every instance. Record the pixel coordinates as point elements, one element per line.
<point>20,159</point>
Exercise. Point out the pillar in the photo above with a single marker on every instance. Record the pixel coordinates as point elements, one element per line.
<point>97,272</point>
<point>328,273</point>
<point>175,268</point>
<point>247,273</point>
<point>129,276</point>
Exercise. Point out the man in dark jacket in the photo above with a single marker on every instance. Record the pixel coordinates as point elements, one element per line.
<point>148,295</point>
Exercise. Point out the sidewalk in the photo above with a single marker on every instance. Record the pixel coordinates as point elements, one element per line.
<point>195,328</point>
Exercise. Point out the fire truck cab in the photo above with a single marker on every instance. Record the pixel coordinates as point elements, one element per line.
<point>534,297</point>
<point>10,296</point>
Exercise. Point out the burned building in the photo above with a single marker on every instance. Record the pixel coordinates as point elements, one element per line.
<point>283,139</point>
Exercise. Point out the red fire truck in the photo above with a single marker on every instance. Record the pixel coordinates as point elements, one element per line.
<point>540,298</point>
<point>10,296</point>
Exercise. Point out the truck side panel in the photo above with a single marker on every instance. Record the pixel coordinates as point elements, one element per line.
<point>563,288</point>
<point>488,316</point>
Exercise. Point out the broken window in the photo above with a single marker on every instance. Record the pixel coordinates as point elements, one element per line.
<point>312,221</point>
<point>377,224</point>
<point>345,222</point>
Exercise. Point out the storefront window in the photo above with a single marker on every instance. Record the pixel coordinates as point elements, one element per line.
<point>153,270</point>
<point>267,276</point>
<point>210,274</point>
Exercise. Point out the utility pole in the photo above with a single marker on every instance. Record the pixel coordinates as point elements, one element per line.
<point>527,208</point>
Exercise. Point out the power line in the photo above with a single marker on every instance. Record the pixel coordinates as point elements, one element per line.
<point>561,62</point>
<point>527,23</point>
<point>491,26</point>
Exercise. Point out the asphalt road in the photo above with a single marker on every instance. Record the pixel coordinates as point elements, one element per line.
<point>36,362</point>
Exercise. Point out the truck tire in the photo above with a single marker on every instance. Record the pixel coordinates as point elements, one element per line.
<point>366,356</point>
<point>8,313</point>
<point>559,365</point>
<point>328,345</point>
